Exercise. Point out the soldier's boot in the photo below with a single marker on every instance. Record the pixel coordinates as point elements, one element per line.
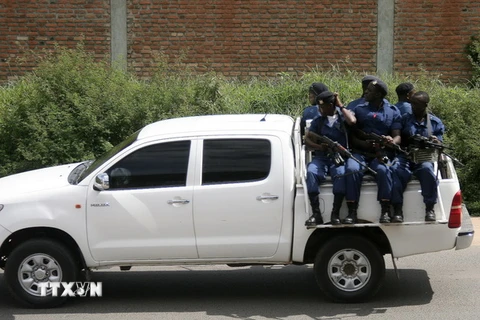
<point>337,204</point>
<point>316,217</point>
<point>385,213</point>
<point>352,213</point>
<point>397,213</point>
<point>430,213</point>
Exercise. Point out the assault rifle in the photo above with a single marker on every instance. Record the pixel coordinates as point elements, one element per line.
<point>379,140</point>
<point>421,142</point>
<point>338,150</point>
<point>379,143</point>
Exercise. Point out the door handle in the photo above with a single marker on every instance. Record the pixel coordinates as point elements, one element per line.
<point>180,201</point>
<point>270,197</point>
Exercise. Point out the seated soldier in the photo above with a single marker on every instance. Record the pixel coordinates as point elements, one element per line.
<point>331,125</point>
<point>420,123</point>
<point>404,92</point>
<point>309,113</point>
<point>376,116</point>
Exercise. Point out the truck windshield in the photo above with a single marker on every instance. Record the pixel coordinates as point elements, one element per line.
<point>87,167</point>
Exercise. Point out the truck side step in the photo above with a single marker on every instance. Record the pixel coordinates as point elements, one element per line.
<point>376,224</point>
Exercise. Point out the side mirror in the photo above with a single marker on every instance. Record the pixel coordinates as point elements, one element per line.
<point>102,182</point>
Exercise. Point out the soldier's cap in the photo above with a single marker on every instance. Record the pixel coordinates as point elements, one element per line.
<point>404,88</point>
<point>380,85</point>
<point>369,78</point>
<point>325,97</point>
<point>317,88</point>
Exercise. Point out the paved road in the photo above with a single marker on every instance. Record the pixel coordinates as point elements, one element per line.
<point>441,285</point>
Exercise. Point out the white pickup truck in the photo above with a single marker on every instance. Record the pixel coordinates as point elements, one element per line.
<point>223,189</point>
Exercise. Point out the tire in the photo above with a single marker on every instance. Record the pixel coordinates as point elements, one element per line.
<point>349,268</point>
<point>51,260</point>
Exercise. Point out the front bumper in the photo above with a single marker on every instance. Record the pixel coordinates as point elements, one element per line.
<point>465,235</point>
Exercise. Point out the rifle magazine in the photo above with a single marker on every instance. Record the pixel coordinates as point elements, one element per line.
<point>424,155</point>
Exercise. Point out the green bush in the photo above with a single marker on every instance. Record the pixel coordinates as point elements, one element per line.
<point>73,108</point>
<point>69,109</point>
<point>473,54</point>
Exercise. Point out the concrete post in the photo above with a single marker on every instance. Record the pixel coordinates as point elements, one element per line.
<point>118,30</point>
<point>385,38</point>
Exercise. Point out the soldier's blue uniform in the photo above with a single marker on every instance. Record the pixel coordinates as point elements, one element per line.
<point>423,171</point>
<point>322,164</point>
<point>352,105</point>
<point>309,113</point>
<point>380,121</point>
<point>404,107</point>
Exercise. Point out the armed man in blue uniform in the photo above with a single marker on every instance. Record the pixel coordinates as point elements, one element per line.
<point>375,138</point>
<point>404,92</point>
<point>309,113</point>
<point>330,124</point>
<point>418,129</point>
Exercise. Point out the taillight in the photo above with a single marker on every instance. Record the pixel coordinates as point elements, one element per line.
<point>455,220</point>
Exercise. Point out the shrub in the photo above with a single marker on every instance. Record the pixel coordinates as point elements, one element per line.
<point>69,109</point>
<point>473,54</point>
<point>73,108</point>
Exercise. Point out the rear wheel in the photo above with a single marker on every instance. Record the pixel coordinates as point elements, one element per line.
<point>39,261</point>
<point>349,268</point>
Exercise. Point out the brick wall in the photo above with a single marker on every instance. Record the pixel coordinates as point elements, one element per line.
<point>254,38</point>
<point>246,37</point>
<point>27,25</point>
<point>432,35</point>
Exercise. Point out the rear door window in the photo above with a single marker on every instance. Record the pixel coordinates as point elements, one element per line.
<point>235,160</point>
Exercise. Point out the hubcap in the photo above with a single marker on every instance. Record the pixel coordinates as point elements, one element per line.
<point>349,270</point>
<point>38,268</point>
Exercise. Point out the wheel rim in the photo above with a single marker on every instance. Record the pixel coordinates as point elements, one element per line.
<point>38,268</point>
<point>349,270</point>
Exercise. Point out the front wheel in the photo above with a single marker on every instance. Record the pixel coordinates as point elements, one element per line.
<point>38,261</point>
<point>349,268</point>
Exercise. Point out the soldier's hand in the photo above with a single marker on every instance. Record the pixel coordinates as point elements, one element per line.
<point>338,103</point>
<point>434,139</point>
<point>388,139</point>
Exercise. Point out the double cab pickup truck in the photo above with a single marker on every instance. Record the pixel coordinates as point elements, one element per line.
<point>219,189</point>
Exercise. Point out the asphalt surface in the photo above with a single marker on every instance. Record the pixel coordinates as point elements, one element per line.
<point>442,285</point>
